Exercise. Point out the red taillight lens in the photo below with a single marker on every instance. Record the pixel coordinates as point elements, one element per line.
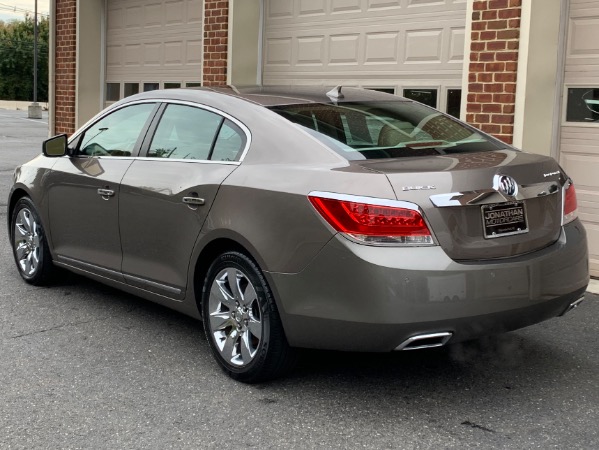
<point>375,224</point>
<point>570,204</point>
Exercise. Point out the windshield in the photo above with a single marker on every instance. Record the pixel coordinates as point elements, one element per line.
<point>391,129</point>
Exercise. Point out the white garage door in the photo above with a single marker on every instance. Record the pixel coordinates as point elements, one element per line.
<point>409,47</point>
<point>579,152</point>
<point>151,45</point>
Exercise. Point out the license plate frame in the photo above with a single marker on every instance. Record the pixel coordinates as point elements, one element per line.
<point>504,219</point>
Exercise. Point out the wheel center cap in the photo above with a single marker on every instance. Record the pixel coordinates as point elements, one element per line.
<point>238,316</point>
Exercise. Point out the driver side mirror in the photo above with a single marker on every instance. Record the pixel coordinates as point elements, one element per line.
<point>55,146</point>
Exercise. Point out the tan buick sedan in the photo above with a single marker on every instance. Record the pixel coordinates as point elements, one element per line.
<point>340,219</point>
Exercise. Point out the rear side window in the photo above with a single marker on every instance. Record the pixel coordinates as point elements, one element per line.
<point>393,129</point>
<point>229,143</point>
<point>187,132</point>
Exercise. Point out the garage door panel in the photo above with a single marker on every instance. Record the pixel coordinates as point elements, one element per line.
<point>175,12</point>
<point>593,238</point>
<point>579,149</point>
<point>310,50</point>
<point>195,9</point>
<point>154,41</point>
<point>584,167</point>
<point>287,13</point>
<point>346,6</point>
<point>423,46</point>
<point>382,47</point>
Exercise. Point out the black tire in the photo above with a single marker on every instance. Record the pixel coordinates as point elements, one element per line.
<point>243,326</point>
<point>29,245</point>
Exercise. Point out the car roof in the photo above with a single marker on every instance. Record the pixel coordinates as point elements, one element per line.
<point>275,95</point>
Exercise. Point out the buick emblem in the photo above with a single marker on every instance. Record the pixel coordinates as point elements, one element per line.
<point>506,185</point>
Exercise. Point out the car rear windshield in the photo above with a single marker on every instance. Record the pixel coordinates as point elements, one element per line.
<point>390,129</point>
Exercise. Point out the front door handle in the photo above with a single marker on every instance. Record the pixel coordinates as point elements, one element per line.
<point>106,193</point>
<point>193,201</point>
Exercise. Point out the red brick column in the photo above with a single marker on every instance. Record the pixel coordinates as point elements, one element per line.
<point>65,65</point>
<point>493,66</point>
<point>216,26</point>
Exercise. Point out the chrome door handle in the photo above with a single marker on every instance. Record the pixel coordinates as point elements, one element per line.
<point>106,192</point>
<point>193,201</point>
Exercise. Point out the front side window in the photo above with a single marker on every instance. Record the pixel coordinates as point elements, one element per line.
<point>390,129</point>
<point>116,133</point>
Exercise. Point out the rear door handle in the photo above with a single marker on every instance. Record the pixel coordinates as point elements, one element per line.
<point>106,193</point>
<point>193,201</point>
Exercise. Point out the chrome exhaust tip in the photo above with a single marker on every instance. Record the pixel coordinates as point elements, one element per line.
<point>422,341</point>
<point>572,306</point>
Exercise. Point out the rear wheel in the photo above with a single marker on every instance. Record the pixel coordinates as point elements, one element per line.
<point>30,248</point>
<point>241,321</point>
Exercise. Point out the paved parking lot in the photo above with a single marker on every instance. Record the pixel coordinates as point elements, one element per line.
<point>85,366</point>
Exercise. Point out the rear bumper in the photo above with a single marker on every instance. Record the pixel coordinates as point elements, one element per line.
<point>360,298</point>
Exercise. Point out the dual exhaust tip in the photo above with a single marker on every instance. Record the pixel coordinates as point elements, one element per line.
<point>422,341</point>
<point>572,306</point>
<point>433,340</point>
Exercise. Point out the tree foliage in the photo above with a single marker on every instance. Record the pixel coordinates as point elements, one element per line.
<point>16,60</point>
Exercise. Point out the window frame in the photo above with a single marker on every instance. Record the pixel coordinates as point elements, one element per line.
<point>141,148</point>
<point>436,88</point>
<point>564,112</point>
<point>445,94</point>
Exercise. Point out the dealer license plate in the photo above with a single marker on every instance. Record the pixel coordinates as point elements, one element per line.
<point>504,219</point>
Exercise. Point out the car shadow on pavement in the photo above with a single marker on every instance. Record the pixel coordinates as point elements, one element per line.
<point>522,355</point>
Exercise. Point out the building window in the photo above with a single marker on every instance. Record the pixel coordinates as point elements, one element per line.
<point>151,87</point>
<point>583,105</point>
<point>131,89</point>
<point>426,96</point>
<point>113,92</point>
<point>193,84</point>
<point>172,85</point>
<point>454,102</point>
<point>382,89</point>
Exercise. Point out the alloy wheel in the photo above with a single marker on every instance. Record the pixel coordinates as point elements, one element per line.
<point>27,242</point>
<point>235,317</point>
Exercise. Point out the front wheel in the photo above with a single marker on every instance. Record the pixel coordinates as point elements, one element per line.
<point>30,248</point>
<point>241,321</point>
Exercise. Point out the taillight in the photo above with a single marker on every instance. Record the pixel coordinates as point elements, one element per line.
<point>373,221</point>
<point>570,203</point>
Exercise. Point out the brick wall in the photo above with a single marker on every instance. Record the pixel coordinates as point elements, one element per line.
<point>65,70</point>
<point>493,66</point>
<point>216,24</point>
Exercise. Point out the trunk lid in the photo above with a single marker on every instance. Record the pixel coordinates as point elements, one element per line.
<point>463,202</point>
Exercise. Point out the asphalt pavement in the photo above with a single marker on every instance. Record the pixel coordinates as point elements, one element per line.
<point>83,365</point>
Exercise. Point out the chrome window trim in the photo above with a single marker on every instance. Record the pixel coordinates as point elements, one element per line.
<point>240,124</point>
<point>141,158</point>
